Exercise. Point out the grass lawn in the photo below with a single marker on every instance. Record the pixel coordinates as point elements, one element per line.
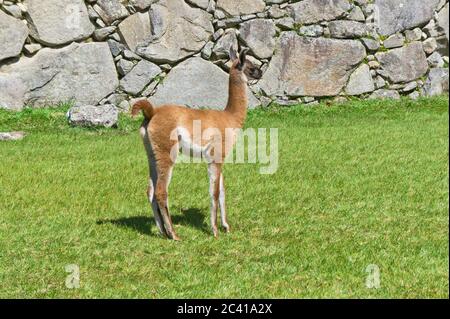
<point>359,184</point>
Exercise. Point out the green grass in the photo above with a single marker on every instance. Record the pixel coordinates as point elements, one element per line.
<point>358,184</point>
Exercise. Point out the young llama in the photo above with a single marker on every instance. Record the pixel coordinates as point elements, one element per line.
<point>168,128</point>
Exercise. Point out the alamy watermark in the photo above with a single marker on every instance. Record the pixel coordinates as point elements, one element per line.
<point>73,279</point>
<point>216,145</point>
<point>373,279</point>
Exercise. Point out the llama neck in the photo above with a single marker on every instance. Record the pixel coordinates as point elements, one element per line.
<point>237,98</point>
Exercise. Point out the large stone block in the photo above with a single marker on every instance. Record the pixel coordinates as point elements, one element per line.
<point>398,15</point>
<point>404,64</point>
<point>312,11</point>
<point>259,36</point>
<point>196,83</point>
<point>13,34</point>
<point>110,10</point>
<point>56,22</point>
<point>360,81</point>
<point>437,82</point>
<point>135,29</point>
<point>82,72</point>
<point>305,66</point>
<point>141,75</point>
<point>178,31</point>
<point>240,7</point>
<point>442,23</point>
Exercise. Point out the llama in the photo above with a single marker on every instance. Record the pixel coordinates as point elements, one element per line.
<point>161,123</point>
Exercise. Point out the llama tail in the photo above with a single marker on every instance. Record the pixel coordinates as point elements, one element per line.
<point>145,106</point>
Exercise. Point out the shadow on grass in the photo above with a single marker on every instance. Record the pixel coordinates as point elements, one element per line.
<point>192,217</point>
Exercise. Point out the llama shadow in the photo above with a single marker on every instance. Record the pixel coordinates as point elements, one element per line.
<point>192,217</point>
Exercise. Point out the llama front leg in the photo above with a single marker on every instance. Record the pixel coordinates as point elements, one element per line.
<point>214,172</point>
<point>223,213</point>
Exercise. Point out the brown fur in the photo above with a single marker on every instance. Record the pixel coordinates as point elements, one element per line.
<point>161,121</point>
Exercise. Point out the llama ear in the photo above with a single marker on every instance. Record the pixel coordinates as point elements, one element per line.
<point>243,55</point>
<point>233,54</point>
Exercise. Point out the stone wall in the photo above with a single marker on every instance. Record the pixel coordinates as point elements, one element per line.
<point>111,51</point>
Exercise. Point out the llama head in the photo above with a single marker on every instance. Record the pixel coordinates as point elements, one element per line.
<point>243,66</point>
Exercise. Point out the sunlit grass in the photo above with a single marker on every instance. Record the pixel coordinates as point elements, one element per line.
<point>358,184</point>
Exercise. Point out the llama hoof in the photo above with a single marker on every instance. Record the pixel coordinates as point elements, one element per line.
<point>215,233</point>
<point>175,237</point>
<point>226,228</point>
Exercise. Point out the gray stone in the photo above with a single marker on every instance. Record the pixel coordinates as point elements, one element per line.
<point>105,115</point>
<point>374,64</point>
<point>150,89</point>
<point>11,136</point>
<point>285,23</point>
<point>116,98</point>
<point>199,3</point>
<point>82,72</point>
<point>411,86</point>
<point>115,47</point>
<point>178,31</point>
<point>124,106</point>
<point>314,30</point>
<point>394,41</point>
<point>414,95</point>
<point>385,94</point>
<point>431,29</point>
<point>142,5</point>
<point>435,60</point>
<point>31,49</point>
<point>360,81</point>
<point>413,35</point>
<point>13,10</point>
<point>313,11</point>
<point>130,55</point>
<point>207,50</point>
<point>110,10</point>
<point>430,45</point>
<point>371,44</point>
<point>400,69</point>
<point>219,14</point>
<point>221,49</point>
<point>437,82</point>
<point>56,22</point>
<point>124,67</point>
<point>275,1</point>
<point>310,66</point>
<point>442,22</point>
<point>103,33</point>
<point>259,36</point>
<point>13,34</point>
<point>379,82</point>
<point>275,12</point>
<point>399,15</point>
<point>229,23</point>
<point>210,89</point>
<point>139,77</point>
<point>135,29</point>
<point>348,29</point>
<point>356,14</point>
<point>240,7</point>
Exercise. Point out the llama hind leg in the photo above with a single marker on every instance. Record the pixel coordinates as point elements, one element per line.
<point>161,194</point>
<point>152,179</point>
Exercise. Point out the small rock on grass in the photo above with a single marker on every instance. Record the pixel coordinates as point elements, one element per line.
<point>11,136</point>
<point>105,115</point>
